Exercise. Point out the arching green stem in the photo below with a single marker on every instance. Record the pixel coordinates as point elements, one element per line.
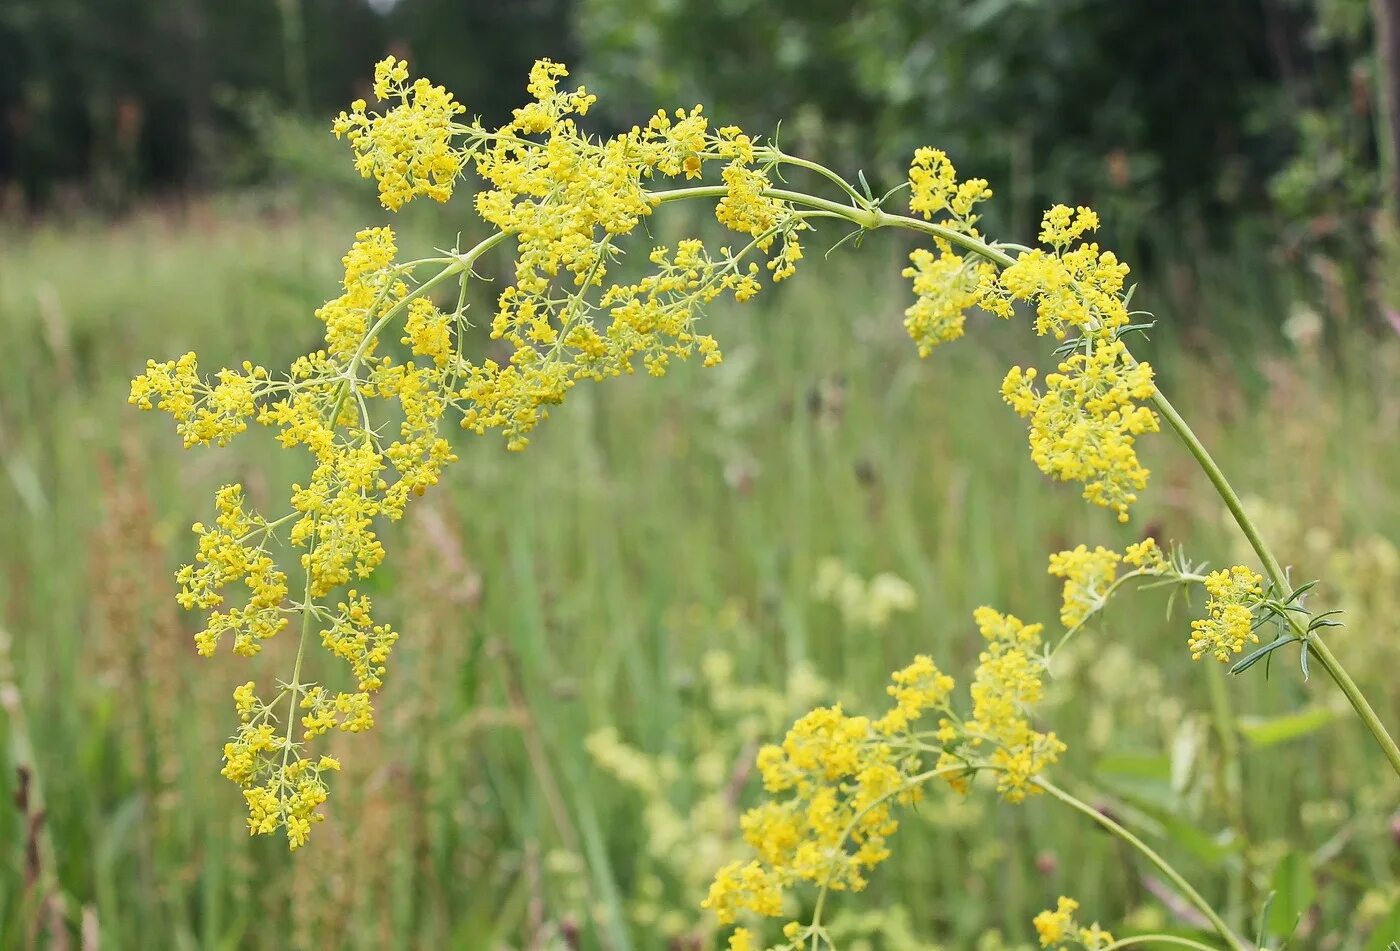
<point>1276,574</point>
<point>872,218</point>
<point>1158,939</point>
<point>1184,887</point>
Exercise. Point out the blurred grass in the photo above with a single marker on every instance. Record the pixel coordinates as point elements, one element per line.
<point>578,585</point>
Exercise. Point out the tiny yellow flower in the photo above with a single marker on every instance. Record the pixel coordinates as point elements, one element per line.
<point>1056,925</point>
<point>1088,577</point>
<point>1145,556</point>
<point>1229,621</point>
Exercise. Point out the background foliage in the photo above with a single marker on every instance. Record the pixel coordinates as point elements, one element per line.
<point>1152,104</point>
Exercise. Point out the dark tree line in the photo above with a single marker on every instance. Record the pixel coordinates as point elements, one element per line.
<point>120,97</point>
<point>1229,103</point>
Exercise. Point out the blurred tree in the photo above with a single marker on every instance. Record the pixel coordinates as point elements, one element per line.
<point>1141,105</point>
<point>122,96</point>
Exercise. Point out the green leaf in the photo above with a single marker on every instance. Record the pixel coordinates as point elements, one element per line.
<point>1294,891</point>
<point>1249,660</point>
<point>1263,732</point>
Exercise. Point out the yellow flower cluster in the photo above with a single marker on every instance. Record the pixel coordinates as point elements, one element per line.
<point>742,940</point>
<point>371,285</point>
<point>371,423</point>
<point>408,149</point>
<point>204,414</point>
<point>1072,287</point>
<point>934,189</point>
<point>1229,621</point>
<point>1088,576</point>
<point>1006,684</point>
<point>841,776</point>
<point>1146,556</point>
<point>225,556</point>
<point>1091,576</point>
<point>282,789</point>
<point>1084,424</point>
<point>947,285</point>
<point>356,639</point>
<point>564,198</point>
<point>1056,925</point>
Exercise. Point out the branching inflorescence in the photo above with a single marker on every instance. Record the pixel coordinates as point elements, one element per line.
<point>374,427</point>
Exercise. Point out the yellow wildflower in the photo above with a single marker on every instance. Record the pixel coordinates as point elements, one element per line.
<point>428,331</point>
<point>1229,620</point>
<point>1088,576</point>
<point>1084,425</point>
<point>1072,288</point>
<point>947,286</point>
<point>744,208</point>
<point>744,887</point>
<point>741,940</point>
<point>1095,938</point>
<point>935,190</point>
<point>205,415</point>
<point>919,687</point>
<point>1006,684</point>
<point>1145,556</point>
<point>1062,225</point>
<point>407,150</point>
<point>841,777</point>
<point>1056,925</point>
<point>372,425</point>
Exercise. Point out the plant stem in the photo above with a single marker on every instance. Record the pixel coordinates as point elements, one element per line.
<point>909,783</point>
<point>295,686</point>
<point>856,197</point>
<point>1276,574</point>
<point>1182,885</point>
<point>1160,939</point>
<point>1358,700</point>
<point>460,265</point>
<point>875,218</point>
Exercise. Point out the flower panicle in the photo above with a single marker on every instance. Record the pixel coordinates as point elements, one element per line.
<point>1058,928</point>
<point>373,420</point>
<point>1233,594</point>
<point>837,781</point>
<point>1084,422</point>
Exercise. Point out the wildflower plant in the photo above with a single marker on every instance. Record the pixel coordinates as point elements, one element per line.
<point>1059,928</point>
<point>566,204</point>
